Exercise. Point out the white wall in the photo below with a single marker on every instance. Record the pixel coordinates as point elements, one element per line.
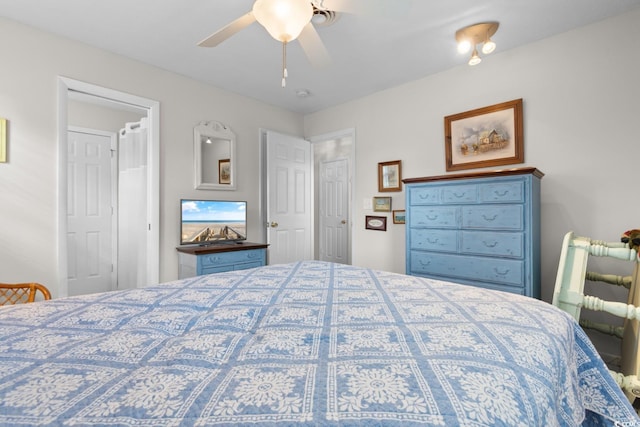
<point>31,62</point>
<point>96,117</point>
<point>581,94</point>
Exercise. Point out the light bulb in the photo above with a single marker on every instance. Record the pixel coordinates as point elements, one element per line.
<point>475,59</point>
<point>464,46</point>
<point>488,46</point>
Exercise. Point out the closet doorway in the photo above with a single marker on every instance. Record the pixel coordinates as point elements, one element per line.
<point>121,171</point>
<point>333,156</point>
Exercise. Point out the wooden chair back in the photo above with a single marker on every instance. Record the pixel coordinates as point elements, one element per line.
<point>569,296</point>
<point>19,293</point>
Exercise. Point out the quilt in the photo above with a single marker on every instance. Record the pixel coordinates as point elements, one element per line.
<point>305,344</point>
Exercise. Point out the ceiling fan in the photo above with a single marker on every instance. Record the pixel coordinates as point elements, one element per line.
<point>287,20</point>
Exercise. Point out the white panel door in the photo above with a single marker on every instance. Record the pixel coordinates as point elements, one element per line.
<point>333,209</point>
<point>89,213</point>
<point>289,194</point>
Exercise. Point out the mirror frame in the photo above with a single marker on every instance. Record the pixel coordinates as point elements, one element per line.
<point>218,130</point>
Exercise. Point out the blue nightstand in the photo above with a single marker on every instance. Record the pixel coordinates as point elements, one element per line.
<point>199,260</point>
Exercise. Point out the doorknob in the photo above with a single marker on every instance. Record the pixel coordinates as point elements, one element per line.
<point>273,224</point>
<point>344,221</point>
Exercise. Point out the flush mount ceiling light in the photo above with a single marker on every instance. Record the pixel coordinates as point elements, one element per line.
<point>476,34</point>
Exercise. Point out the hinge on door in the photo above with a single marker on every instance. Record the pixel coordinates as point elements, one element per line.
<point>112,268</point>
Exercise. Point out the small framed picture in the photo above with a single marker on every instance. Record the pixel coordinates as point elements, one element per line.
<point>398,217</point>
<point>382,204</point>
<point>224,171</point>
<point>390,176</point>
<point>375,223</point>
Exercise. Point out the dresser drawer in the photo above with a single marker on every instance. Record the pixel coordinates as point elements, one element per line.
<point>502,192</point>
<point>235,257</point>
<point>460,194</point>
<point>218,269</point>
<point>493,243</point>
<point>435,216</point>
<point>434,240</point>
<point>498,217</point>
<point>230,267</point>
<point>450,267</point>
<point>424,196</point>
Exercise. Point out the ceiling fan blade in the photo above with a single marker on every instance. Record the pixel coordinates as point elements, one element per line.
<point>227,31</point>
<point>370,7</point>
<point>313,47</point>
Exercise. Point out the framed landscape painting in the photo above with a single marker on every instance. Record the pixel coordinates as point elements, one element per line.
<point>489,136</point>
<point>382,204</point>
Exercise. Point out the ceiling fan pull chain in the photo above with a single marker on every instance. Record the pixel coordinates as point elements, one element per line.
<point>284,64</point>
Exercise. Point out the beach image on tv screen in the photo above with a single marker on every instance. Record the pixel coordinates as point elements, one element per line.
<point>205,221</point>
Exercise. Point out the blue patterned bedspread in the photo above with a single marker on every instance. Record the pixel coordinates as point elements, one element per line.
<point>311,344</point>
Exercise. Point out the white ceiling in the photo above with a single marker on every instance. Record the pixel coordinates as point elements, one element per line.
<point>369,52</point>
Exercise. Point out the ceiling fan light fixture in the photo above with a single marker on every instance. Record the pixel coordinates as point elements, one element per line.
<point>283,19</point>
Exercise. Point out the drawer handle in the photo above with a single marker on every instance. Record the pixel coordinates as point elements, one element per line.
<point>490,245</point>
<point>486,218</point>
<point>432,217</point>
<point>459,195</point>
<point>501,273</point>
<point>432,241</point>
<point>501,193</point>
<point>253,255</point>
<point>423,196</point>
<point>425,263</point>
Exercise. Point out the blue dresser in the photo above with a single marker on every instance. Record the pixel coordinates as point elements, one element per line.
<point>481,229</point>
<point>198,260</point>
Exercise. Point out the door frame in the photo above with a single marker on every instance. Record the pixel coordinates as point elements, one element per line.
<point>64,85</point>
<point>345,133</point>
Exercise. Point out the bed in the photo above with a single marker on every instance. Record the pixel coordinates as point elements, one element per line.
<point>309,344</point>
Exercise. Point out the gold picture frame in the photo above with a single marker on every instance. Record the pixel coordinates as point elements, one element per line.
<point>382,204</point>
<point>489,136</point>
<point>399,216</point>
<point>3,140</point>
<point>224,171</point>
<point>390,176</point>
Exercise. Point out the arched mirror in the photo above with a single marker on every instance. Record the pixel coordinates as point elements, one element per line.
<point>215,151</point>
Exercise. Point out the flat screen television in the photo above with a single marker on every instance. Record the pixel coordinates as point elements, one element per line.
<point>206,222</point>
